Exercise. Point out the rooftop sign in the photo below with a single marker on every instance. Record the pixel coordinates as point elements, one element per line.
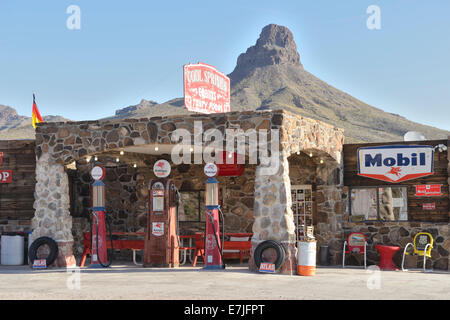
<point>206,90</point>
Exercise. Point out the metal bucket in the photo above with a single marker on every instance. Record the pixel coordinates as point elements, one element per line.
<point>306,265</point>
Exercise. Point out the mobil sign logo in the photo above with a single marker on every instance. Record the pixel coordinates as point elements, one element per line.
<point>395,163</point>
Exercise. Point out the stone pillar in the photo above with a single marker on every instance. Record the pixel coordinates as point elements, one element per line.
<point>52,217</point>
<point>273,215</point>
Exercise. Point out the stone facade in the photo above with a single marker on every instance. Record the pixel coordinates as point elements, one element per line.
<point>127,197</point>
<point>63,144</point>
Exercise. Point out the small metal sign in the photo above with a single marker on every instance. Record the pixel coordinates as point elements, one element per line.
<point>161,168</point>
<point>40,264</point>
<point>98,173</point>
<point>428,190</point>
<point>5,176</point>
<point>429,206</point>
<point>210,169</point>
<point>158,228</point>
<point>267,267</point>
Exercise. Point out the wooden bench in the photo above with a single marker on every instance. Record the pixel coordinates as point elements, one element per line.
<point>120,244</point>
<point>231,249</point>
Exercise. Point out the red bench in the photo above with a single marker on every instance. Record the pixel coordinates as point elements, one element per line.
<point>242,248</point>
<point>133,244</point>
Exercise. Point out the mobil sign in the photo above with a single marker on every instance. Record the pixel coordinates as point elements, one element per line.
<point>395,163</point>
<point>206,90</point>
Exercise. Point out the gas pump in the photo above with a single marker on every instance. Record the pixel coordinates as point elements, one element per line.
<point>213,247</point>
<point>161,248</point>
<point>98,231</point>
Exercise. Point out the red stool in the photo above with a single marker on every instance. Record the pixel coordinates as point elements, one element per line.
<point>386,253</point>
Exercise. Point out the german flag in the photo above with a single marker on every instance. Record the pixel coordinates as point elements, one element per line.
<point>36,116</point>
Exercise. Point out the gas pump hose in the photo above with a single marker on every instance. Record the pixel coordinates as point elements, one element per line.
<point>215,237</point>
<point>111,239</point>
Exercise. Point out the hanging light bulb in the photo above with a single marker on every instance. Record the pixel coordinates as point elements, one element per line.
<point>321,160</point>
<point>310,154</point>
<point>135,165</point>
<point>156,148</point>
<point>191,149</point>
<point>95,158</point>
<point>298,152</point>
<point>122,152</point>
<point>117,159</point>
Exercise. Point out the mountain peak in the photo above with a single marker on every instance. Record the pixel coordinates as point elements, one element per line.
<point>275,45</point>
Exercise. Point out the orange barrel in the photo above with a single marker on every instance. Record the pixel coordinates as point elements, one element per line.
<point>306,265</point>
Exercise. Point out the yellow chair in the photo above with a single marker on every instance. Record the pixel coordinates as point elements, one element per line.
<point>422,244</point>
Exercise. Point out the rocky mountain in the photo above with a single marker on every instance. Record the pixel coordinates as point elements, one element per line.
<point>15,126</point>
<point>270,76</point>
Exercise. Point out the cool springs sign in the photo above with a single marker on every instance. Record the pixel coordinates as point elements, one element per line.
<point>206,90</point>
<point>395,163</point>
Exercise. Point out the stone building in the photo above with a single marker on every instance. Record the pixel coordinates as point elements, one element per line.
<point>309,153</point>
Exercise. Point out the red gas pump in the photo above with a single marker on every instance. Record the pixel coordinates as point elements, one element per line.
<point>161,247</point>
<point>99,246</point>
<point>213,247</point>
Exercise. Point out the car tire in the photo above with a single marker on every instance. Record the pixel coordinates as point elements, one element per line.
<point>263,246</point>
<point>32,252</point>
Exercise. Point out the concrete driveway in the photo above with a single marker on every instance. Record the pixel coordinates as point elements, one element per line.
<point>236,282</point>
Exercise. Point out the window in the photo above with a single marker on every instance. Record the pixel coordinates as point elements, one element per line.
<point>379,203</point>
<point>192,206</point>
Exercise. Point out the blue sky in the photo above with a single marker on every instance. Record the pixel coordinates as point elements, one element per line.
<point>129,50</point>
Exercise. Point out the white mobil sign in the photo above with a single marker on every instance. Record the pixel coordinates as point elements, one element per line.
<point>161,168</point>
<point>395,163</point>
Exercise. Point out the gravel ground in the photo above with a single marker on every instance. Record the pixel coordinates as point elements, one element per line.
<point>236,282</point>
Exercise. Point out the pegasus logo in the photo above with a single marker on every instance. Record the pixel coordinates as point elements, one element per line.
<point>395,171</point>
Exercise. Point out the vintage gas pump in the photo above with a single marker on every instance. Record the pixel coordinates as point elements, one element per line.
<point>161,247</point>
<point>213,249</point>
<point>98,235</point>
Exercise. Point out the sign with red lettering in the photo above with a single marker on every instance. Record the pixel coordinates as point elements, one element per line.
<point>206,90</point>
<point>429,206</point>
<point>5,176</point>
<point>267,267</point>
<point>158,228</point>
<point>40,264</point>
<point>428,190</point>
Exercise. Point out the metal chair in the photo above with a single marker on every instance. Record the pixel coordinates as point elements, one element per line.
<point>357,243</point>
<point>422,244</point>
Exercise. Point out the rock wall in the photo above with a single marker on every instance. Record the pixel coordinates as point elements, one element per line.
<point>127,197</point>
<point>52,216</point>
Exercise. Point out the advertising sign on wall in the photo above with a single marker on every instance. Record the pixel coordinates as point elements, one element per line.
<point>428,190</point>
<point>206,90</point>
<point>5,176</point>
<point>429,206</point>
<point>161,168</point>
<point>396,163</point>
